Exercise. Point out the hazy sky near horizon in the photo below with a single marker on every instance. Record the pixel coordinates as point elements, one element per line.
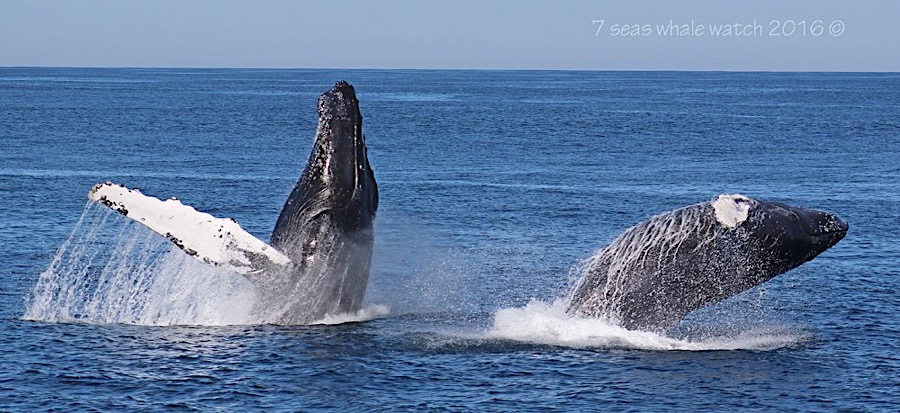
<point>804,35</point>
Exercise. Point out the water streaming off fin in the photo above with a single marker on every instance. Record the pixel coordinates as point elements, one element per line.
<point>113,270</point>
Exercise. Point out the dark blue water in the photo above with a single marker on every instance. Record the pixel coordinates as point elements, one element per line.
<point>494,185</point>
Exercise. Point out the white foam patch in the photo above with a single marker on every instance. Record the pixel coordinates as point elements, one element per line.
<point>549,324</point>
<point>731,210</point>
<point>215,241</point>
<point>368,312</point>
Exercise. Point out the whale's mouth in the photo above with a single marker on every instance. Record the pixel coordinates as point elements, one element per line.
<point>837,227</point>
<point>823,223</point>
<point>825,229</point>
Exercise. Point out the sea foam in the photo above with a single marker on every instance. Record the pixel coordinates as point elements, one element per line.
<point>545,323</point>
<point>367,313</point>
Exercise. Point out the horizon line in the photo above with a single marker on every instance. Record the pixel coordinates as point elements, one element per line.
<point>472,69</point>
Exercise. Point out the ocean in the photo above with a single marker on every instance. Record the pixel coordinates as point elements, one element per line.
<point>494,187</point>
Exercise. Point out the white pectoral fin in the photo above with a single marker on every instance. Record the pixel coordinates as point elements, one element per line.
<point>219,242</point>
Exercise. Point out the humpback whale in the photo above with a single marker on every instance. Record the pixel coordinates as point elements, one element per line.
<point>658,271</point>
<point>326,225</point>
<point>317,261</point>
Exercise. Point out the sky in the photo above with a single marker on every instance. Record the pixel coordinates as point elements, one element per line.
<point>763,35</point>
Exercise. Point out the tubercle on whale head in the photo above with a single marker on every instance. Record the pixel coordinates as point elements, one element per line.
<point>339,103</point>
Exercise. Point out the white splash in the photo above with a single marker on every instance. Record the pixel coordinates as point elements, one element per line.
<point>215,241</point>
<point>548,324</point>
<point>731,210</point>
<point>112,270</point>
<point>368,312</point>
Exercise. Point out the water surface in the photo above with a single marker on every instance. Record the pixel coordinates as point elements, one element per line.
<point>494,185</point>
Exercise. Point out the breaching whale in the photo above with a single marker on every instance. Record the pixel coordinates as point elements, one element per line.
<point>661,269</point>
<point>326,225</point>
<point>317,261</point>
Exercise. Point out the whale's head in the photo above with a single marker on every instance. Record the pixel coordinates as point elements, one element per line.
<point>336,192</point>
<point>784,236</point>
<point>339,160</point>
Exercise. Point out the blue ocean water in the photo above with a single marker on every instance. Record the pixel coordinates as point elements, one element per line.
<point>494,186</point>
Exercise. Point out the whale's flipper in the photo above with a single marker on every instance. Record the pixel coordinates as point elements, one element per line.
<point>219,242</point>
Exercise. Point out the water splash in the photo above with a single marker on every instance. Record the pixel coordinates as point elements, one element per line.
<point>548,324</point>
<point>114,270</point>
<point>368,312</point>
<point>649,247</point>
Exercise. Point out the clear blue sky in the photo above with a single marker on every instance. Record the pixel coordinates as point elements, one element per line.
<point>825,35</point>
